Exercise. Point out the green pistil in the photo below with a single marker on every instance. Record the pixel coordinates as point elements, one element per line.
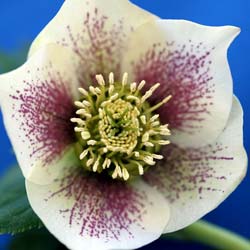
<point>116,129</point>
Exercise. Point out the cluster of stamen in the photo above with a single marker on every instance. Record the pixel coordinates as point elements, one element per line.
<point>117,130</point>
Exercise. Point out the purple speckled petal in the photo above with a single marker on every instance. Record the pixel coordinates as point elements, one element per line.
<point>196,180</point>
<point>96,31</point>
<point>190,62</point>
<point>90,212</point>
<point>37,104</point>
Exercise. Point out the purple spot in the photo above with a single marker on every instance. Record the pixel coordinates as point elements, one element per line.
<point>185,74</point>
<point>45,108</point>
<point>187,170</point>
<point>98,45</point>
<point>102,208</point>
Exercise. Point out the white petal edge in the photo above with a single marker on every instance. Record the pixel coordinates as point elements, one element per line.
<point>23,94</point>
<point>213,174</point>
<point>53,213</point>
<point>171,35</point>
<point>116,11</point>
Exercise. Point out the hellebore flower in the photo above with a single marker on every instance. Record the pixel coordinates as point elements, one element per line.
<point>112,160</point>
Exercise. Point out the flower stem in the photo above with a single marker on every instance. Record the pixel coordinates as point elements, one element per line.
<point>211,235</point>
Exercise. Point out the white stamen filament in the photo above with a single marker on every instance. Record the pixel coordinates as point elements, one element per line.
<point>158,157</point>
<point>83,91</point>
<point>98,91</point>
<point>145,137</point>
<point>100,80</point>
<point>141,85</point>
<point>83,112</point>
<point>93,90</point>
<point>137,154</point>
<point>143,119</point>
<point>148,144</point>
<point>165,132</point>
<point>79,121</point>
<point>114,97</point>
<point>115,174</point>
<point>111,89</point>
<point>111,78</point>
<point>140,169</point>
<point>84,154</point>
<point>79,104</point>
<point>125,174</point>
<point>77,129</point>
<point>105,150</point>
<point>153,118</point>
<point>133,98</point>
<point>90,162</point>
<point>106,163</point>
<point>149,160</point>
<point>86,103</point>
<point>133,87</point>
<point>85,135</point>
<point>125,79</point>
<point>162,142</point>
<point>155,124</point>
<point>95,167</point>
<point>91,142</point>
<point>149,92</point>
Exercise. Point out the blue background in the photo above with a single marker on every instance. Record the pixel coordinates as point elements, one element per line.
<point>21,21</point>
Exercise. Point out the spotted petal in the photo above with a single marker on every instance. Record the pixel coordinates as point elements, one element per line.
<point>95,31</point>
<point>196,180</point>
<point>90,212</point>
<point>190,62</point>
<point>37,104</point>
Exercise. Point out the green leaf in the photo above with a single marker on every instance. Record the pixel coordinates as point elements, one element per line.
<point>16,215</point>
<point>35,240</point>
<point>12,60</point>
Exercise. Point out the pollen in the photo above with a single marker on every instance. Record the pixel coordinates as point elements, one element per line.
<point>117,131</point>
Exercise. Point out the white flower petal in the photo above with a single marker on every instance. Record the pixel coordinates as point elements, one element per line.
<point>195,181</point>
<point>89,212</point>
<point>122,249</point>
<point>190,62</point>
<point>37,104</point>
<point>95,30</point>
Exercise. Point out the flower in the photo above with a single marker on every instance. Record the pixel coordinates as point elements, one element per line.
<point>90,138</point>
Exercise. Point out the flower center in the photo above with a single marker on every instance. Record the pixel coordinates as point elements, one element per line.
<point>117,131</point>
<point>119,126</point>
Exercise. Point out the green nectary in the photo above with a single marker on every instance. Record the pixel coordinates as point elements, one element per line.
<point>117,130</point>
